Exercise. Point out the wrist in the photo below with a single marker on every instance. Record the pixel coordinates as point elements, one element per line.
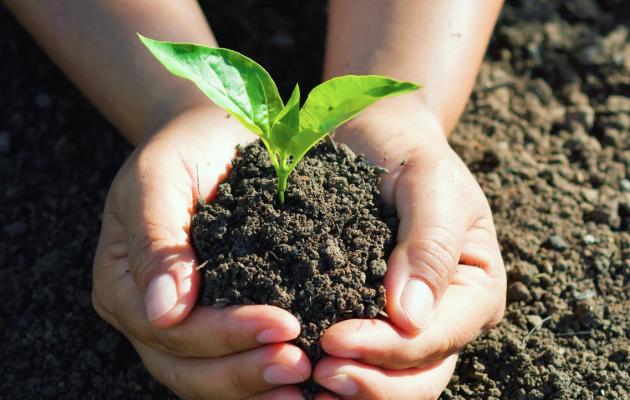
<point>198,123</point>
<point>164,110</point>
<point>393,133</point>
<point>405,117</point>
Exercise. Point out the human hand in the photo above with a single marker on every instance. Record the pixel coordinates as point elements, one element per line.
<point>445,280</point>
<point>145,281</point>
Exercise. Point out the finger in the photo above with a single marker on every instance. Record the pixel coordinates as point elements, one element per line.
<point>435,212</point>
<point>233,377</point>
<point>468,308</point>
<point>154,197</point>
<point>207,332</point>
<point>352,380</point>
<point>152,207</point>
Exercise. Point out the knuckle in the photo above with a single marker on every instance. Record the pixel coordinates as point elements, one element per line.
<point>101,311</point>
<point>447,347</point>
<point>442,346</point>
<point>497,316</point>
<point>225,339</point>
<point>400,358</point>
<point>230,343</point>
<point>146,254</point>
<point>499,300</point>
<point>238,383</point>
<point>104,311</point>
<point>435,352</point>
<point>178,379</point>
<point>143,256</point>
<point>435,254</point>
<point>168,340</point>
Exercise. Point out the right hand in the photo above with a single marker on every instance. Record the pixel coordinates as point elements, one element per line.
<point>145,281</point>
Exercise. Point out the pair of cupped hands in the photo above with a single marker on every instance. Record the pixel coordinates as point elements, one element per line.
<point>445,280</point>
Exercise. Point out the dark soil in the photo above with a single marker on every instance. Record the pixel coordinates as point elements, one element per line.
<point>322,255</point>
<point>547,133</point>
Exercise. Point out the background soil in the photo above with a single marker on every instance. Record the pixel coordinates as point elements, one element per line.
<point>547,133</point>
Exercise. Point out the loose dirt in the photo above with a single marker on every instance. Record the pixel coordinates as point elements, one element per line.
<point>321,255</point>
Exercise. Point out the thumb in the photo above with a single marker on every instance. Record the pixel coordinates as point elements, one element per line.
<point>166,276</point>
<point>433,223</point>
<point>155,211</point>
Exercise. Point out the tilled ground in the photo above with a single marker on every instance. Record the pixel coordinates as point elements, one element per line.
<point>547,133</point>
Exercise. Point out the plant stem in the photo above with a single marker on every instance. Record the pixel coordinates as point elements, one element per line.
<point>282,186</point>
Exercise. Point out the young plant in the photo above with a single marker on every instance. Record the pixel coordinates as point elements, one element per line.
<point>244,89</point>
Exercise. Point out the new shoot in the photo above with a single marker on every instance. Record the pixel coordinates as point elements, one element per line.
<point>244,89</point>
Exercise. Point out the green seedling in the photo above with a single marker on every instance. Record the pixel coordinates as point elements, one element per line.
<point>244,89</point>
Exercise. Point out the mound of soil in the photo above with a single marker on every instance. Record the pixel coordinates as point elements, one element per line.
<point>322,255</point>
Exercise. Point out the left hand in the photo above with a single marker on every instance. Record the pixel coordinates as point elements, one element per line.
<point>445,280</point>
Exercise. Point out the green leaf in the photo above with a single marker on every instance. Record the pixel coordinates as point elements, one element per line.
<point>287,124</point>
<point>232,81</point>
<point>336,101</point>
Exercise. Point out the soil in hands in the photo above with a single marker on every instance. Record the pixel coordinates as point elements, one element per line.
<point>321,255</point>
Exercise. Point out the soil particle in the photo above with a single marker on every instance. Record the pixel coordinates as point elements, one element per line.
<point>43,100</point>
<point>518,291</point>
<point>5,142</point>
<point>321,255</point>
<point>556,242</point>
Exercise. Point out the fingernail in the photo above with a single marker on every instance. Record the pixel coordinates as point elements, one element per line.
<point>417,303</point>
<point>278,374</point>
<point>274,336</point>
<point>341,384</point>
<point>161,296</point>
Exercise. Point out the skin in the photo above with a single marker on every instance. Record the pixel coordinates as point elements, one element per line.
<point>145,278</point>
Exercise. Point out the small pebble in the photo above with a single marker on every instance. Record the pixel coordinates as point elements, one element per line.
<point>589,239</point>
<point>15,229</point>
<point>282,39</point>
<point>604,214</point>
<point>557,242</point>
<point>625,185</point>
<point>534,321</point>
<point>5,142</point>
<point>524,272</point>
<point>42,100</point>
<point>585,295</point>
<point>517,291</point>
<point>378,268</point>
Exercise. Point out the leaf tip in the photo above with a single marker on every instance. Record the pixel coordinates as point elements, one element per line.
<point>148,42</point>
<point>411,86</point>
<point>296,91</point>
<point>142,38</point>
